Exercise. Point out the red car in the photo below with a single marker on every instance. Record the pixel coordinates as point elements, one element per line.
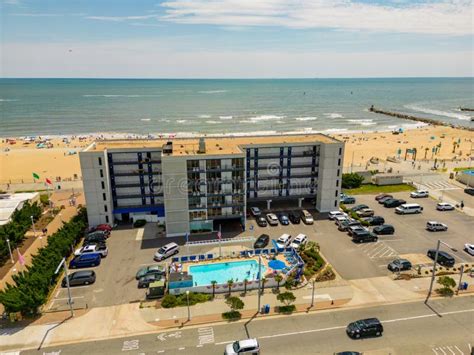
<point>101,227</point>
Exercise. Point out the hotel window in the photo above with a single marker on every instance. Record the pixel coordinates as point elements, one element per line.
<point>103,185</point>
<point>105,208</point>
<point>100,161</point>
<point>101,172</point>
<point>339,162</point>
<point>104,197</point>
<point>335,203</point>
<point>336,193</point>
<point>340,151</point>
<point>337,183</point>
<point>338,172</point>
<point>106,219</point>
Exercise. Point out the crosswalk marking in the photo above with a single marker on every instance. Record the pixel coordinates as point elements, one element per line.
<point>206,335</point>
<point>377,250</point>
<point>451,350</point>
<point>437,185</point>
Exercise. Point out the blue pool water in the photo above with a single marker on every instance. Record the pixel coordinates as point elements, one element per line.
<point>222,272</point>
<point>276,264</point>
<point>468,172</point>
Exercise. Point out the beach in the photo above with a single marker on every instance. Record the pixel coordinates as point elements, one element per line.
<point>61,162</point>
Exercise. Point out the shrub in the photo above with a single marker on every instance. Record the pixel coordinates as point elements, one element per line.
<point>351,181</point>
<point>448,283</point>
<point>286,297</point>
<point>287,309</point>
<point>44,199</point>
<point>235,303</point>
<point>139,223</point>
<point>232,315</point>
<point>169,301</point>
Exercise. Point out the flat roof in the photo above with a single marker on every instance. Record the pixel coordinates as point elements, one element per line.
<point>11,202</point>
<point>223,145</point>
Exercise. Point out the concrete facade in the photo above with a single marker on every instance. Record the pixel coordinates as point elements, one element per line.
<point>191,186</point>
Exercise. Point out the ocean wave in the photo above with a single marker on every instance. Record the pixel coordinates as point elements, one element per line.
<point>363,122</point>
<point>311,118</point>
<point>117,95</point>
<point>8,100</point>
<point>213,122</point>
<point>335,130</point>
<point>264,118</point>
<point>438,112</point>
<point>204,116</point>
<point>334,115</point>
<point>181,121</point>
<point>145,119</point>
<point>163,120</point>
<point>212,91</point>
<point>225,117</point>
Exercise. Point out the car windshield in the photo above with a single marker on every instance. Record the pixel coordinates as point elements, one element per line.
<point>236,346</point>
<point>161,250</point>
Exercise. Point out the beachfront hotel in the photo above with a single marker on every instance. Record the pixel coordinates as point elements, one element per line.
<point>197,184</point>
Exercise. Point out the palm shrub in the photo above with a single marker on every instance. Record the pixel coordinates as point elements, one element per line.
<point>287,298</point>
<point>235,304</point>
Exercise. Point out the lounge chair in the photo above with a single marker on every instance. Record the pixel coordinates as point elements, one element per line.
<point>265,251</point>
<point>192,258</point>
<point>258,251</point>
<point>202,257</point>
<point>209,256</point>
<point>174,260</point>
<point>184,259</point>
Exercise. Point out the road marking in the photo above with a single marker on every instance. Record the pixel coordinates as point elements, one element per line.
<point>140,233</point>
<point>452,352</point>
<point>206,335</point>
<point>181,348</point>
<point>67,298</point>
<point>130,345</point>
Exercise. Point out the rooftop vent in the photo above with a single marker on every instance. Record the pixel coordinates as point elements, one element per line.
<point>202,146</point>
<point>168,148</point>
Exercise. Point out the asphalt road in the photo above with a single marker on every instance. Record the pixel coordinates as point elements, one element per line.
<point>444,327</point>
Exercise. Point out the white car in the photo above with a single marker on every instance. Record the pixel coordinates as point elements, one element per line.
<point>247,346</point>
<point>93,248</point>
<point>333,214</point>
<point>299,240</point>
<point>435,226</point>
<point>307,217</point>
<point>469,248</point>
<point>255,211</point>
<point>272,219</point>
<point>339,219</point>
<point>419,194</point>
<point>444,206</point>
<point>283,241</point>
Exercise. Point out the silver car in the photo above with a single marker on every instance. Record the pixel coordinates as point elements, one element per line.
<point>247,346</point>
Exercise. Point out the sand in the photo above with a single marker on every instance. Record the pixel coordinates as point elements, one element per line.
<point>21,160</point>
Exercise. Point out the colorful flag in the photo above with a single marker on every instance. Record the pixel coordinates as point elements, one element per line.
<point>219,235</point>
<point>35,176</point>
<point>21,258</point>
<point>49,182</point>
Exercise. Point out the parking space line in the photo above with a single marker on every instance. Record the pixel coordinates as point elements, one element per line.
<point>66,298</point>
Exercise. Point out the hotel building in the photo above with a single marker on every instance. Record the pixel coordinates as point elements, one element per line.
<point>194,184</point>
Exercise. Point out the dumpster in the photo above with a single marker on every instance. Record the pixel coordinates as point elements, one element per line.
<point>267,308</point>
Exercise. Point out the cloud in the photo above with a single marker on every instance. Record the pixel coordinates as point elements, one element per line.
<point>450,17</point>
<point>10,2</point>
<point>120,18</point>
<point>35,15</point>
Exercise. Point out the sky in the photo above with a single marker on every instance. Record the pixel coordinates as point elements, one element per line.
<point>236,38</point>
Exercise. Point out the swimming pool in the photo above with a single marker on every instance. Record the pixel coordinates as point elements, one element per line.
<point>222,272</point>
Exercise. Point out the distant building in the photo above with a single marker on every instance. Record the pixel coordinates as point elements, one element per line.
<point>191,183</point>
<point>9,203</point>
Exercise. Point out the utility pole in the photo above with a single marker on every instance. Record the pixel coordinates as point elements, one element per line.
<point>63,263</point>
<point>33,225</point>
<point>10,251</point>
<point>259,281</point>
<point>433,275</point>
<point>312,293</point>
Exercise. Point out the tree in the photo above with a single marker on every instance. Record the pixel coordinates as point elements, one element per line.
<point>235,303</point>
<point>286,297</point>
<point>246,282</point>
<point>264,280</point>
<point>448,283</point>
<point>230,283</point>
<point>213,283</point>
<point>278,279</point>
<point>351,181</point>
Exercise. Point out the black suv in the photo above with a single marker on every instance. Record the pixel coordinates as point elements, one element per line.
<point>262,241</point>
<point>374,220</point>
<point>95,238</point>
<point>444,258</point>
<point>358,208</point>
<point>364,236</point>
<point>393,202</point>
<point>79,278</point>
<point>469,191</point>
<point>384,229</point>
<point>364,328</point>
<point>261,221</point>
<point>343,226</point>
<point>295,217</point>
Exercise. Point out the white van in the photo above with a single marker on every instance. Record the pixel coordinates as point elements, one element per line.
<point>166,251</point>
<point>299,240</point>
<point>283,241</point>
<point>306,217</point>
<point>409,208</point>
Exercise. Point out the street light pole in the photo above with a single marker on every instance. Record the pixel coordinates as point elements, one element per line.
<point>10,251</point>
<point>259,281</point>
<point>433,274</point>
<point>312,294</point>
<point>63,263</point>
<point>33,225</point>
<point>187,299</point>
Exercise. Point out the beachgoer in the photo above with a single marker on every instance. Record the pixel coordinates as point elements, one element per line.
<point>462,204</point>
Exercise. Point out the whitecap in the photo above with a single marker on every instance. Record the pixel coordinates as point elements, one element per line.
<point>264,118</point>
<point>181,121</point>
<point>8,100</point>
<point>334,115</point>
<point>204,116</point>
<point>213,122</point>
<point>363,122</point>
<point>145,119</point>
<point>225,117</point>
<point>311,118</point>
<point>117,95</point>
<point>438,112</point>
<point>212,91</point>
<point>335,130</point>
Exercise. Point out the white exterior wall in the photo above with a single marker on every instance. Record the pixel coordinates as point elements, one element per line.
<point>329,182</point>
<point>93,191</point>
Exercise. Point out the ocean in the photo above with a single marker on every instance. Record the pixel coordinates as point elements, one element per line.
<point>32,107</point>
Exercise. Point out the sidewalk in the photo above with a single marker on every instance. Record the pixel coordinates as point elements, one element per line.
<point>130,319</point>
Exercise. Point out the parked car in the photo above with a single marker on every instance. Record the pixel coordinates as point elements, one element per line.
<point>399,265</point>
<point>79,278</point>
<point>255,211</point>
<point>409,208</point>
<point>386,198</point>
<point>334,214</point>
<point>358,208</point>
<point>261,241</point>
<point>300,240</point>
<point>85,260</point>
<point>295,217</point>
<point>374,220</point>
<point>151,269</point>
<point>103,227</point>
<point>99,248</point>
<point>283,218</point>
<point>360,236</point>
<point>384,229</point>
<point>94,238</point>
<point>364,328</point>
<point>419,194</point>
<point>444,206</point>
<point>469,191</point>
<point>469,248</point>
<point>393,202</point>
<point>261,221</point>
<point>98,233</point>
<point>348,353</point>
<point>166,251</point>
<point>343,226</point>
<point>272,219</point>
<point>145,281</point>
<point>444,258</point>
<point>139,223</point>
<point>365,212</point>
<point>381,196</point>
<point>347,200</point>
<point>339,219</point>
<point>307,217</point>
<point>354,229</point>
<point>283,241</point>
<point>434,226</point>
<point>247,346</point>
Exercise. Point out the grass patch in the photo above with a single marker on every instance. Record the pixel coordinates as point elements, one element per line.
<point>287,309</point>
<point>462,169</point>
<point>171,301</point>
<point>374,189</point>
<point>313,261</point>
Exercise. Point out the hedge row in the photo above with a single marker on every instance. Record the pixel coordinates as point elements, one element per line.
<point>32,287</point>
<point>15,230</point>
